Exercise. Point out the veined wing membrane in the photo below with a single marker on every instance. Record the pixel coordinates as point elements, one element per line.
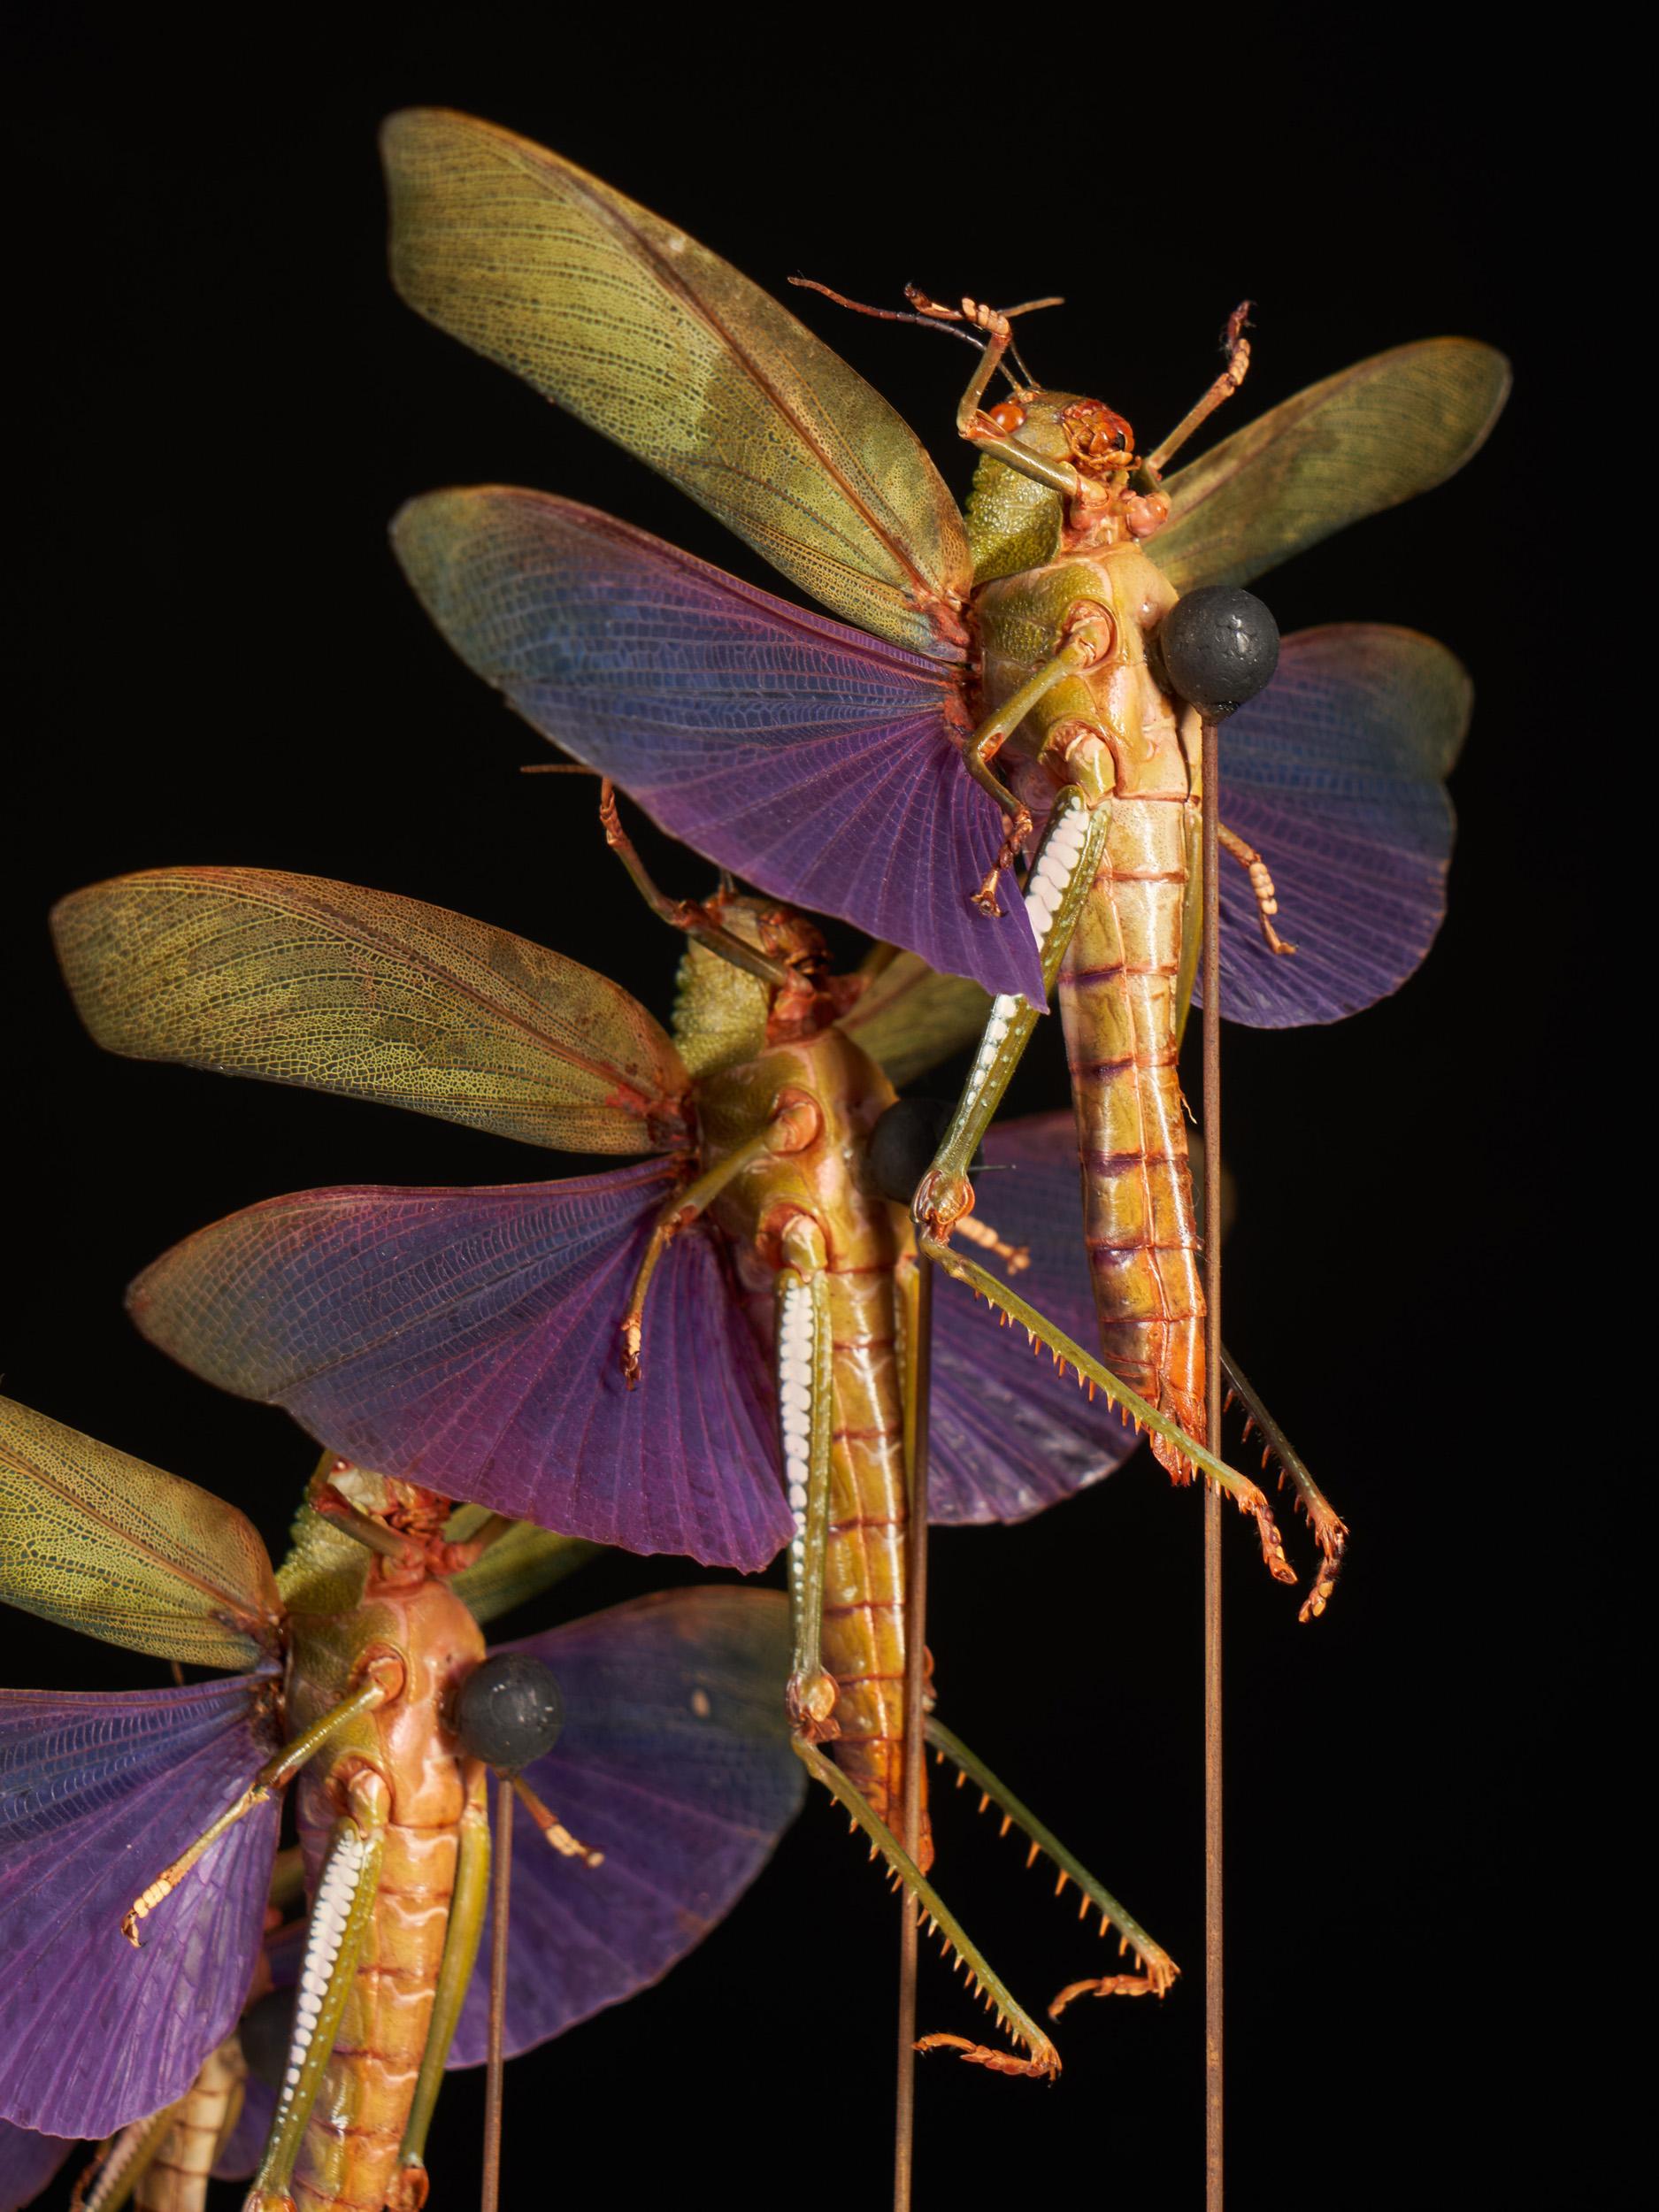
<point>97,1791</point>
<point>470,1340</point>
<point>674,1762</point>
<point>1376,434</point>
<point>1012,1435</point>
<point>296,979</point>
<point>909,1017</point>
<point>1335,773</point>
<point>117,1549</point>
<point>818,761</point>
<point>665,348</point>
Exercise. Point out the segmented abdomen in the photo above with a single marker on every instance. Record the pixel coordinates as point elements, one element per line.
<point>864,1567</point>
<point>348,2159</point>
<point>176,2180</point>
<point>1117,986</point>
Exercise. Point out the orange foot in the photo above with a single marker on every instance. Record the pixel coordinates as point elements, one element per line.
<point>1106,1985</point>
<point>1043,2066</point>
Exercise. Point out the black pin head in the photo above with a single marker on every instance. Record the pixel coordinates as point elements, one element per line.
<point>1219,646</point>
<point>903,1142</point>
<point>509,1711</point>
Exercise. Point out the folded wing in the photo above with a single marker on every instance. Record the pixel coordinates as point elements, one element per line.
<point>471,1339</point>
<point>909,1017</point>
<point>675,1763</point>
<point>816,762</point>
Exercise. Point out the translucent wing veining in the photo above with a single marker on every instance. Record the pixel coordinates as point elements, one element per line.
<point>471,1339</point>
<point>1365,439</point>
<point>664,346</point>
<point>296,979</point>
<point>98,1792</point>
<point>675,1763</point>
<point>121,1550</point>
<point>1335,773</point>
<point>820,762</point>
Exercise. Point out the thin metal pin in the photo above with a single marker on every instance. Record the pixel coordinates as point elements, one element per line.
<point>501,1883</point>
<point>915,1722</point>
<point>1213,1990</point>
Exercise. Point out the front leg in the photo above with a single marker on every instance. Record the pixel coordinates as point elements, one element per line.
<point>982,430</point>
<point>690,916</point>
<point>783,1133</point>
<point>1061,876</point>
<point>1236,351</point>
<point>1089,639</point>
<point>1262,887</point>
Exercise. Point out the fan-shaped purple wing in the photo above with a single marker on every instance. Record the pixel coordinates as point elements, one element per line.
<point>812,758</point>
<point>471,1339</point>
<point>98,1793</point>
<point>1008,1434</point>
<point>675,1763</point>
<point>1334,774</point>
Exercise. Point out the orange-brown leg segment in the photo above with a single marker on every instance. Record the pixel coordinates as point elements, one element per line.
<point>690,916</point>
<point>272,1776</point>
<point>1156,1969</point>
<point>1040,2059</point>
<point>1329,1529</point>
<point>1237,349</point>
<point>1261,885</point>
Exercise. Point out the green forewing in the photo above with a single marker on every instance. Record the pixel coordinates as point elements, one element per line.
<point>909,1017</point>
<point>523,1561</point>
<point>104,1543</point>
<point>298,979</point>
<point>661,346</point>
<point>1378,433</point>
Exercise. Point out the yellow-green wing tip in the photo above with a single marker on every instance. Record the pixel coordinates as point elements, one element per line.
<point>107,1544</point>
<point>1483,373</point>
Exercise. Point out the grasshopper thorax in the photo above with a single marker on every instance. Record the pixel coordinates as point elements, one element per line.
<point>1016,523</point>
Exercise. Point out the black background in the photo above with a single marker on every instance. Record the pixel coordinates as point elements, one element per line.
<point>225,403</point>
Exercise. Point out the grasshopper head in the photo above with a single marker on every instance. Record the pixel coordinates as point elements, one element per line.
<point>1064,426</point>
<point>396,1504</point>
<point>723,1015</point>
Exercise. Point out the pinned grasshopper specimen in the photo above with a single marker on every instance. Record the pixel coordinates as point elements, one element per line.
<point>152,1816</point>
<point>634,1357</point>
<point>1012,698</point>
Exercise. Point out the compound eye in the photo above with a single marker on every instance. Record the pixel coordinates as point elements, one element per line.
<point>510,1710</point>
<point>903,1142</point>
<point>1009,416</point>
